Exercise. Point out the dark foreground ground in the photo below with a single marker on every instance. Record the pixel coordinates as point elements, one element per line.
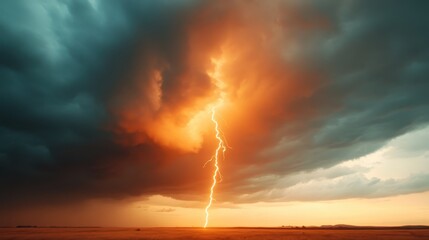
<point>214,233</point>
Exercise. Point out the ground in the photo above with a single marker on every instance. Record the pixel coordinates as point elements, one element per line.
<point>211,233</point>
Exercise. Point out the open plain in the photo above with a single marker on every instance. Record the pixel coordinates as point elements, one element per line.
<point>211,233</point>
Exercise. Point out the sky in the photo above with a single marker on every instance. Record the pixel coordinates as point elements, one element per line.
<point>106,112</point>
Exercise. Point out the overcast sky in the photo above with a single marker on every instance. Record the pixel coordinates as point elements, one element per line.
<point>109,100</point>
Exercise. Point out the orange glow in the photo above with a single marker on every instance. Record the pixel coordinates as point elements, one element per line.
<point>233,65</point>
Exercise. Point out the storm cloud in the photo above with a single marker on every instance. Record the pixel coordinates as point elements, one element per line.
<point>95,96</point>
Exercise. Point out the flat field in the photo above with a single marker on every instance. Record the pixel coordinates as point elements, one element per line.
<point>212,233</point>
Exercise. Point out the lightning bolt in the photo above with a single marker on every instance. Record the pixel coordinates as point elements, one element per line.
<point>221,147</point>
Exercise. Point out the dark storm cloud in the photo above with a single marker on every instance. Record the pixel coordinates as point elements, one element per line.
<point>377,63</point>
<point>59,63</point>
<point>62,61</point>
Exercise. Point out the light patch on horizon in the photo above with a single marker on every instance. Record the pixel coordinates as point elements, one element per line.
<point>399,167</point>
<point>400,158</point>
<point>380,212</point>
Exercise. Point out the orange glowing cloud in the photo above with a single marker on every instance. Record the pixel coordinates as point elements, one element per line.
<point>258,82</point>
<point>167,100</point>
